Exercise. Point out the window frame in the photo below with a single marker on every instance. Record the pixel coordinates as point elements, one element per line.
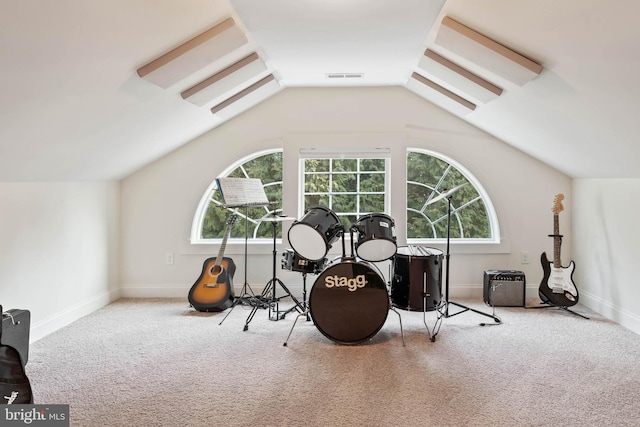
<point>339,154</point>
<point>492,216</point>
<point>201,210</point>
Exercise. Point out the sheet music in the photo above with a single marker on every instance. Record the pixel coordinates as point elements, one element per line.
<point>242,192</point>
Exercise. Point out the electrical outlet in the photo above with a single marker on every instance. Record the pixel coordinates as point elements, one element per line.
<point>524,257</point>
<point>168,258</point>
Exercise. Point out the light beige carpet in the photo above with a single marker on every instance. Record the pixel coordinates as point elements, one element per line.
<point>156,362</point>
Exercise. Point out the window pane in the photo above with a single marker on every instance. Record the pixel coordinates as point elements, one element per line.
<point>345,203</point>
<point>370,203</point>
<point>316,183</point>
<point>345,183</point>
<point>416,196</point>
<point>372,165</point>
<point>311,200</point>
<point>267,168</point>
<point>428,178</point>
<point>345,165</point>
<point>371,182</point>
<point>316,165</point>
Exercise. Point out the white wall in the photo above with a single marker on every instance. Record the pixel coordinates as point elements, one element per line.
<point>606,249</point>
<point>159,201</point>
<point>58,246</point>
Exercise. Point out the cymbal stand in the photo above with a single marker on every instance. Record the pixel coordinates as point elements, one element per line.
<point>269,292</point>
<point>448,302</point>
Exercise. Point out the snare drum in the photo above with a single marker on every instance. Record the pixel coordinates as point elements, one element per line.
<point>349,302</point>
<point>291,261</point>
<point>376,240</point>
<point>416,269</point>
<point>312,235</point>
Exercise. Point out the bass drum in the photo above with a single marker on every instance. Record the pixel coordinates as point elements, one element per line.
<point>349,302</point>
<point>413,265</point>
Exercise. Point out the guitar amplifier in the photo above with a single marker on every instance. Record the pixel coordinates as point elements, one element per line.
<point>504,288</point>
<point>15,331</point>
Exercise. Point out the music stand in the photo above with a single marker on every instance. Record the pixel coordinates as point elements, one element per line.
<point>243,193</point>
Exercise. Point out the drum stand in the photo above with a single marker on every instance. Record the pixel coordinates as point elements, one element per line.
<point>269,292</point>
<point>447,302</point>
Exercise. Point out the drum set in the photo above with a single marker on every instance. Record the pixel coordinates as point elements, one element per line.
<point>350,300</point>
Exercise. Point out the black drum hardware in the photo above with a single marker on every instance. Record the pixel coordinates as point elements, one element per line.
<point>463,308</point>
<point>270,290</point>
<point>349,301</point>
<point>291,261</point>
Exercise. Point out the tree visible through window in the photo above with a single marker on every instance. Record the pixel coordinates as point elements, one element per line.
<point>352,187</point>
<point>429,177</point>
<point>266,167</point>
<point>349,187</point>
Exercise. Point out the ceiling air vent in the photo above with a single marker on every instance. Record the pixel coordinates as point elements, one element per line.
<point>345,75</point>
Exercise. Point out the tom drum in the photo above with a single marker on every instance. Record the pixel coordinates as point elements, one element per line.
<point>376,239</point>
<point>312,235</point>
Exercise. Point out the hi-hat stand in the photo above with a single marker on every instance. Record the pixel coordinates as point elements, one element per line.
<point>444,312</point>
<point>268,295</point>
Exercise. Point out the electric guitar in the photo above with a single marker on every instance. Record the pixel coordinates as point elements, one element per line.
<point>213,291</point>
<point>557,287</point>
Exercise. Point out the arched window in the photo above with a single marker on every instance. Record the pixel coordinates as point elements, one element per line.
<point>211,216</point>
<point>433,180</point>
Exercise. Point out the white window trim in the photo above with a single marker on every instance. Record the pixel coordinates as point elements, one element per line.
<point>198,217</point>
<point>491,212</point>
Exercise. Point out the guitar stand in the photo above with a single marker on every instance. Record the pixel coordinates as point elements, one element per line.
<point>561,307</point>
<point>268,296</point>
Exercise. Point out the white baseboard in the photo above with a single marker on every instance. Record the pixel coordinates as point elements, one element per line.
<point>179,291</point>
<point>611,311</point>
<point>71,314</point>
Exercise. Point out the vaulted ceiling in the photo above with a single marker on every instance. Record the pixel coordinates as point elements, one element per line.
<point>96,90</point>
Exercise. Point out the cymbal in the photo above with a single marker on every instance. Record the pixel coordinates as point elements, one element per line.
<point>277,218</point>
<point>446,194</point>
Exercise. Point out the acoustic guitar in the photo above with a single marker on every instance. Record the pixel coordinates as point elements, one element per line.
<point>213,291</point>
<point>557,286</point>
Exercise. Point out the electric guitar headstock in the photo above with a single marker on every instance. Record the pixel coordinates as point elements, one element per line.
<point>557,204</point>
